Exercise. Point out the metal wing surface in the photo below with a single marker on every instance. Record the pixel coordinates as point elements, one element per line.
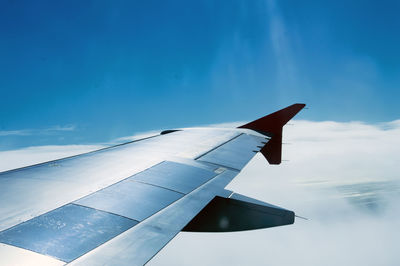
<point>121,205</point>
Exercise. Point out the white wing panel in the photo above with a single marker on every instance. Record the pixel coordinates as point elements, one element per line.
<point>236,153</point>
<point>14,256</point>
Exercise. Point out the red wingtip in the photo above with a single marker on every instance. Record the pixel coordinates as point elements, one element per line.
<point>271,125</point>
<point>274,122</point>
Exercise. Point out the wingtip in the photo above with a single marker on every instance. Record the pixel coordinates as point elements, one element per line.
<point>276,120</point>
<point>271,125</point>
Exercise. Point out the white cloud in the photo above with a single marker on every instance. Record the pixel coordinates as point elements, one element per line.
<point>136,136</point>
<point>23,132</point>
<point>227,125</point>
<point>282,47</point>
<point>344,177</point>
<point>60,128</point>
<point>29,132</point>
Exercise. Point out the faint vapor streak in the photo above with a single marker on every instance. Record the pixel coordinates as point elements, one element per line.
<point>44,131</point>
<point>287,71</point>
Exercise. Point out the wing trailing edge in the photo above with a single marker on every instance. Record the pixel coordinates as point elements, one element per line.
<point>271,125</point>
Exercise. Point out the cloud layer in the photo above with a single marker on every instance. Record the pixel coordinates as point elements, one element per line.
<point>342,176</point>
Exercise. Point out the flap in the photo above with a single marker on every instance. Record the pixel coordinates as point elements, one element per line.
<point>238,213</point>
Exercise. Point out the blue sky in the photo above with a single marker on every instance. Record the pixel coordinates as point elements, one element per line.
<point>92,71</point>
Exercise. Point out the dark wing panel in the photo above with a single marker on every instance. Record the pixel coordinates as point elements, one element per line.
<point>175,176</point>
<point>147,192</point>
<point>67,232</point>
<point>130,199</point>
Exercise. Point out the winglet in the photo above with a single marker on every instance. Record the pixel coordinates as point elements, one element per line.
<point>271,125</point>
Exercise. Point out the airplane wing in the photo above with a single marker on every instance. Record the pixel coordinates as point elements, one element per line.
<point>121,205</point>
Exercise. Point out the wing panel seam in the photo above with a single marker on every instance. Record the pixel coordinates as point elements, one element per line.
<point>146,183</point>
<point>81,205</point>
<point>216,147</point>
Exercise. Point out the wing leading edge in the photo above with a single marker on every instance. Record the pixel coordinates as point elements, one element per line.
<point>124,204</point>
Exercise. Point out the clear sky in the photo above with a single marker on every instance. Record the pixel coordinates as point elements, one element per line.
<point>76,74</point>
<point>92,71</point>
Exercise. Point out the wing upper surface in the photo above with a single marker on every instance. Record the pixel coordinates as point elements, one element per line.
<point>50,185</point>
<point>59,208</point>
<point>122,204</point>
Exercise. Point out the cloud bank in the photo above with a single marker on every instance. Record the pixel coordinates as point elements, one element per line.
<point>344,177</point>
